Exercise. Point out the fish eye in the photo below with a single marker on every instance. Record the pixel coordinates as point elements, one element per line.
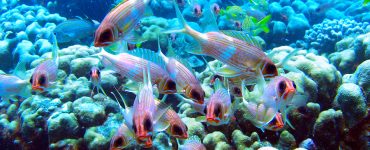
<point>118,142</point>
<point>217,110</point>
<point>106,36</point>
<point>177,130</point>
<point>236,90</point>
<point>42,80</point>
<point>196,95</point>
<point>148,124</point>
<point>31,79</point>
<point>134,127</point>
<point>294,85</point>
<point>270,69</point>
<point>282,87</point>
<point>171,85</point>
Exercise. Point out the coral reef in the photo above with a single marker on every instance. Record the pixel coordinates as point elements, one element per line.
<point>24,30</point>
<point>328,129</point>
<point>325,35</point>
<point>318,68</point>
<point>352,102</point>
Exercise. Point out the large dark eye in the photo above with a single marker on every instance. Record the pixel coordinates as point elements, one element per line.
<point>294,85</point>
<point>177,130</point>
<point>217,110</point>
<point>31,79</point>
<point>270,69</point>
<point>195,95</point>
<point>236,91</point>
<point>42,80</point>
<point>106,36</point>
<point>282,87</point>
<point>171,85</point>
<point>118,142</point>
<point>148,124</point>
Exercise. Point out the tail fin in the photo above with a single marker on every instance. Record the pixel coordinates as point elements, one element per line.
<point>54,53</point>
<point>20,69</point>
<point>184,26</point>
<point>146,75</point>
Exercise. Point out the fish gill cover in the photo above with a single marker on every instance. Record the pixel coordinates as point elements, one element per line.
<point>184,74</point>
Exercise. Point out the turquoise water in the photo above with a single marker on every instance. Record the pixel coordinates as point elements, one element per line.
<point>224,74</point>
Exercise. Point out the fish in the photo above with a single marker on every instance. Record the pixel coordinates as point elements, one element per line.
<point>215,8</point>
<point>119,23</point>
<point>276,124</point>
<point>123,138</point>
<point>220,110</point>
<point>147,115</point>
<point>15,84</point>
<point>267,100</point>
<point>45,74</point>
<point>197,10</point>
<point>233,12</point>
<point>238,55</point>
<point>181,73</point>
<point>130,66</point>
<point>177,128</point>
<point>255,26</point>
<point>365,2</point>
<point>192,143</point>
<point>12,85</point>
<point>95,79</point>
<point>323,8</point>
<point>74,29</point>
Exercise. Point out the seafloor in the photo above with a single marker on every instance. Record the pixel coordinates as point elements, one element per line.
<point>332,39</point>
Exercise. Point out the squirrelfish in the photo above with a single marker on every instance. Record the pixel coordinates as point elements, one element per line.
<point>239,55</point>
<point>146,114</point>
<point>95,78</point>
<point>185,79</point>
<point>219,107</point>
<point>11,85</point>
<point>177,127</point>
<point>119,22</point>
<point>193,143</point>
<point>45,74</point>
<point>266,101</point>
<point>14,85</point>
<point>130,66</point>
<point>276,124</point>
<point>123,138</point>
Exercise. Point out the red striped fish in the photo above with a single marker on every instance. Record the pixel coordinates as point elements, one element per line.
<point>131,67</point>
<point>239,55</point>
<point>146,114</point>
<point>183,76</point>
<point>120,22</point>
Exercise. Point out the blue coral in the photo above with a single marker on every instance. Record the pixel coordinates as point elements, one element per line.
<point>323,36</point>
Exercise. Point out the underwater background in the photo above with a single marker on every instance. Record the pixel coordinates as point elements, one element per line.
<point>321,48</point>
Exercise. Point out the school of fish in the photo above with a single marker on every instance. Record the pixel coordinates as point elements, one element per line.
<point>245,65</point>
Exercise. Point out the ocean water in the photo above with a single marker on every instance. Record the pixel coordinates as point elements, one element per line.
<point>184,74</point>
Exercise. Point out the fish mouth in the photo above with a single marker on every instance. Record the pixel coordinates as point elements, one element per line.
<point>146,141</point>
<point>37,88</point>
<point>181,136</point>
<point>213,120</point>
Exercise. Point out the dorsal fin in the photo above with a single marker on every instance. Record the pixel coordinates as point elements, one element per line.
<point>149,55</point>
<point>218,84</point>
<point>244,36</point>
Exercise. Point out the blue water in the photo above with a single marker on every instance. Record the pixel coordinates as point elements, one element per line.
<point>300,78</point>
